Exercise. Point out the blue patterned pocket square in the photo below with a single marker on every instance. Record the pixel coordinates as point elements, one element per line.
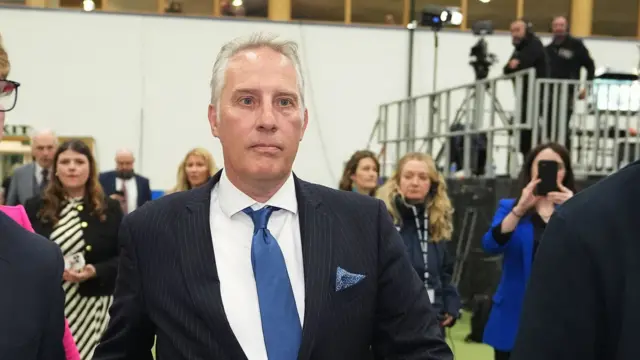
<point>345,279</point>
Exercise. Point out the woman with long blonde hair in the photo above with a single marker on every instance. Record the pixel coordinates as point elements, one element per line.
<point>417,200</point>
<point>194,170</point>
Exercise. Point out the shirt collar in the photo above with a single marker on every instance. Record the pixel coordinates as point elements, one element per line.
<point>232,200</point>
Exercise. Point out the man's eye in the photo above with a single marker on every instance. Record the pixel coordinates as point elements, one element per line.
<point>285,102</point>
<point>246,101</point>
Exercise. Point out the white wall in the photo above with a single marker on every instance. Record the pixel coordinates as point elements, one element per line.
<point>142,81</point>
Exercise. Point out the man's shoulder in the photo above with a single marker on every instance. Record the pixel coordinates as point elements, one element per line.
<point>24,170</point>
<point>163,208</point>
<point>141,178</point>
<point>617,192</point>
<point>340,200</point>
<point>106,174</point>
<point>24,247</point>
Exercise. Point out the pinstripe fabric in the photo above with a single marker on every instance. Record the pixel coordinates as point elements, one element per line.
<point>168,284</point>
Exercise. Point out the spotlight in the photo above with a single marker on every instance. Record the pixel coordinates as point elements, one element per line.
<point>88,5</point>
<point>435,16</point>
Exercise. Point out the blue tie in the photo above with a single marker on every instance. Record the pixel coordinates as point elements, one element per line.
<point>280,321</point>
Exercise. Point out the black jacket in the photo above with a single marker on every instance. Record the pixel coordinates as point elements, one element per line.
<point>567,57</point>
<point>101,240</point>
<point>169,285</point>
<point>531,54</point>
<point>31,299</point>
<point>583,294</point>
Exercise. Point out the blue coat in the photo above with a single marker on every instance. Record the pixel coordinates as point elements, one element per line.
<point>500,331</point>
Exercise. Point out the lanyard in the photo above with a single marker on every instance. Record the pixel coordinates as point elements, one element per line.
<point>423,237</point>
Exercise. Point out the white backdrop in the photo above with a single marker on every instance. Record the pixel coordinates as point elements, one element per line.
<point>142,81</point>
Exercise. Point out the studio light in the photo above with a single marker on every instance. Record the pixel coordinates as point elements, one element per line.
<point>435,16</point>
<point>88,5</point>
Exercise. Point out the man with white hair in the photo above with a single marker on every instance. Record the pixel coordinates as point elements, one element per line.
<point>29,180</point>
<point>124,185</point>
<point>258,264</point>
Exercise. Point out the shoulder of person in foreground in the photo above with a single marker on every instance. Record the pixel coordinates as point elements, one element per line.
<point>162,211</point>
<point>578,270</point>
<point>40,265</point>
<point>405,325</point>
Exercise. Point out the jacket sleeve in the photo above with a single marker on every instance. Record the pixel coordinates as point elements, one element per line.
<point>130,333</point>
<point>452,302</point>
<point>586,60</point>
<point>489,243</point>
<point>530,55</point>
<point>51,342</point>
<point>406,325</point>
<point>562,315</point>
<point>106,271</point>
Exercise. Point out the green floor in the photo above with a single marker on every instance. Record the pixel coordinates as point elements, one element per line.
<point>461,349</point>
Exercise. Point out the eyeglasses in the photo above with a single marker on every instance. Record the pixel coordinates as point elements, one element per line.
<point>8,95</point>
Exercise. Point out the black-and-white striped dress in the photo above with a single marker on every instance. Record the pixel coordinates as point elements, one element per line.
<point>87,315</point>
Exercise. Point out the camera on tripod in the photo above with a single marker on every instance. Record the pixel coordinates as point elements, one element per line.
<point>480,58</point>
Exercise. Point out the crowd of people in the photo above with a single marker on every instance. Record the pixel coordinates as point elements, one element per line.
<point>252,262</point>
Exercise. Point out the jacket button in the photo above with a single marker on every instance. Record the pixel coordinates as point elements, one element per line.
<point>80,208</point>
<point>88,248</point>
<point>84,224</point>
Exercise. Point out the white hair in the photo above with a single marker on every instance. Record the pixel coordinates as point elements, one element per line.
<point>41,132</point>
<point>287,48</point>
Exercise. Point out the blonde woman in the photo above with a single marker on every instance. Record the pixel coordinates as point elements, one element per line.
<point>416,197</point>
<point>194,170</point>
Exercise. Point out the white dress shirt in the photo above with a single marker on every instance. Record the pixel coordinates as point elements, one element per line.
<point>232,232</point>
<point>132,192</point>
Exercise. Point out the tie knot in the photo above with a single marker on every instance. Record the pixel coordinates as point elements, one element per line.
<point>45,172</point>
<point>260,217</point>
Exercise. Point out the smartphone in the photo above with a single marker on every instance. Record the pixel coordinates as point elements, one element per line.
<point>548,174</point>
<point>74,262</point>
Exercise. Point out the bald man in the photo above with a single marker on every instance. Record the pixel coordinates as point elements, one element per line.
<point>29,180</point>
<point>124,184</point>
<point>528,53</point>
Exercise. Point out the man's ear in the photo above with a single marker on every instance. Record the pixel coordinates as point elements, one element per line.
<point>305,122</point>
<point>213,120</point>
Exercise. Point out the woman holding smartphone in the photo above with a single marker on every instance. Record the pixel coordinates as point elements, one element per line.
<point>515,232</point>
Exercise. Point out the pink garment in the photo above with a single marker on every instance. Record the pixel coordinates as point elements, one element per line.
<point>18,214</point>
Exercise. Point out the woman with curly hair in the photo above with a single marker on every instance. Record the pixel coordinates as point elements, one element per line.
<point>74,213</point>
<point>417,200</point>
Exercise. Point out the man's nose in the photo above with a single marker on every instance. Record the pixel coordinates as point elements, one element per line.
<point>266,118</point>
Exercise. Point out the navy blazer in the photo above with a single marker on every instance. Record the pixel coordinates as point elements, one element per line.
<point>500,331</point>
<point>108,181</point>
<point>168,284</point>
<point>31,300</point>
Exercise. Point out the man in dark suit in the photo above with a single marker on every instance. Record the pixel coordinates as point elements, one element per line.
<point>259,264</point>
<point>583,294</point>
<point>124,185</point>
<point>32,302</point>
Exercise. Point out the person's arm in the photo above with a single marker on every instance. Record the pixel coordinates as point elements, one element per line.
<point>51,342</point>
<point>130,333</point>
<point>529,55</point>
<point>406,325</point>
<point>561,316</point>
<point>586,60</point>
<point>504,222</point>
<point>106,271</point>
<point>452,302</point>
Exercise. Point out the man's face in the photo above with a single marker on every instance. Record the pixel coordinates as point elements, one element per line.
<point>43,148</point>
<point>518,31</point>
<point>260,122</point>
<point>124,165</point>
<point>559,26</point>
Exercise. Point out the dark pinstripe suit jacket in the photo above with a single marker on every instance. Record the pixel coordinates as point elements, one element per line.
<point>168,284</point>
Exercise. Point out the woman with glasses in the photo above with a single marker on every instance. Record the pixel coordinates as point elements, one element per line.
<point>8,98</point>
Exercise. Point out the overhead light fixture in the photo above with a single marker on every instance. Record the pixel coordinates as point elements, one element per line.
<point>485,1</point>
<point>88,5</point>
<point>236,3</point>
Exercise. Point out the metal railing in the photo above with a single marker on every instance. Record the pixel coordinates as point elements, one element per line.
<point>469,132</point>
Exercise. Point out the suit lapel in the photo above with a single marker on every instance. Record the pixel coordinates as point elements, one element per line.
<point>198,265</point>
<point>317,250</point>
